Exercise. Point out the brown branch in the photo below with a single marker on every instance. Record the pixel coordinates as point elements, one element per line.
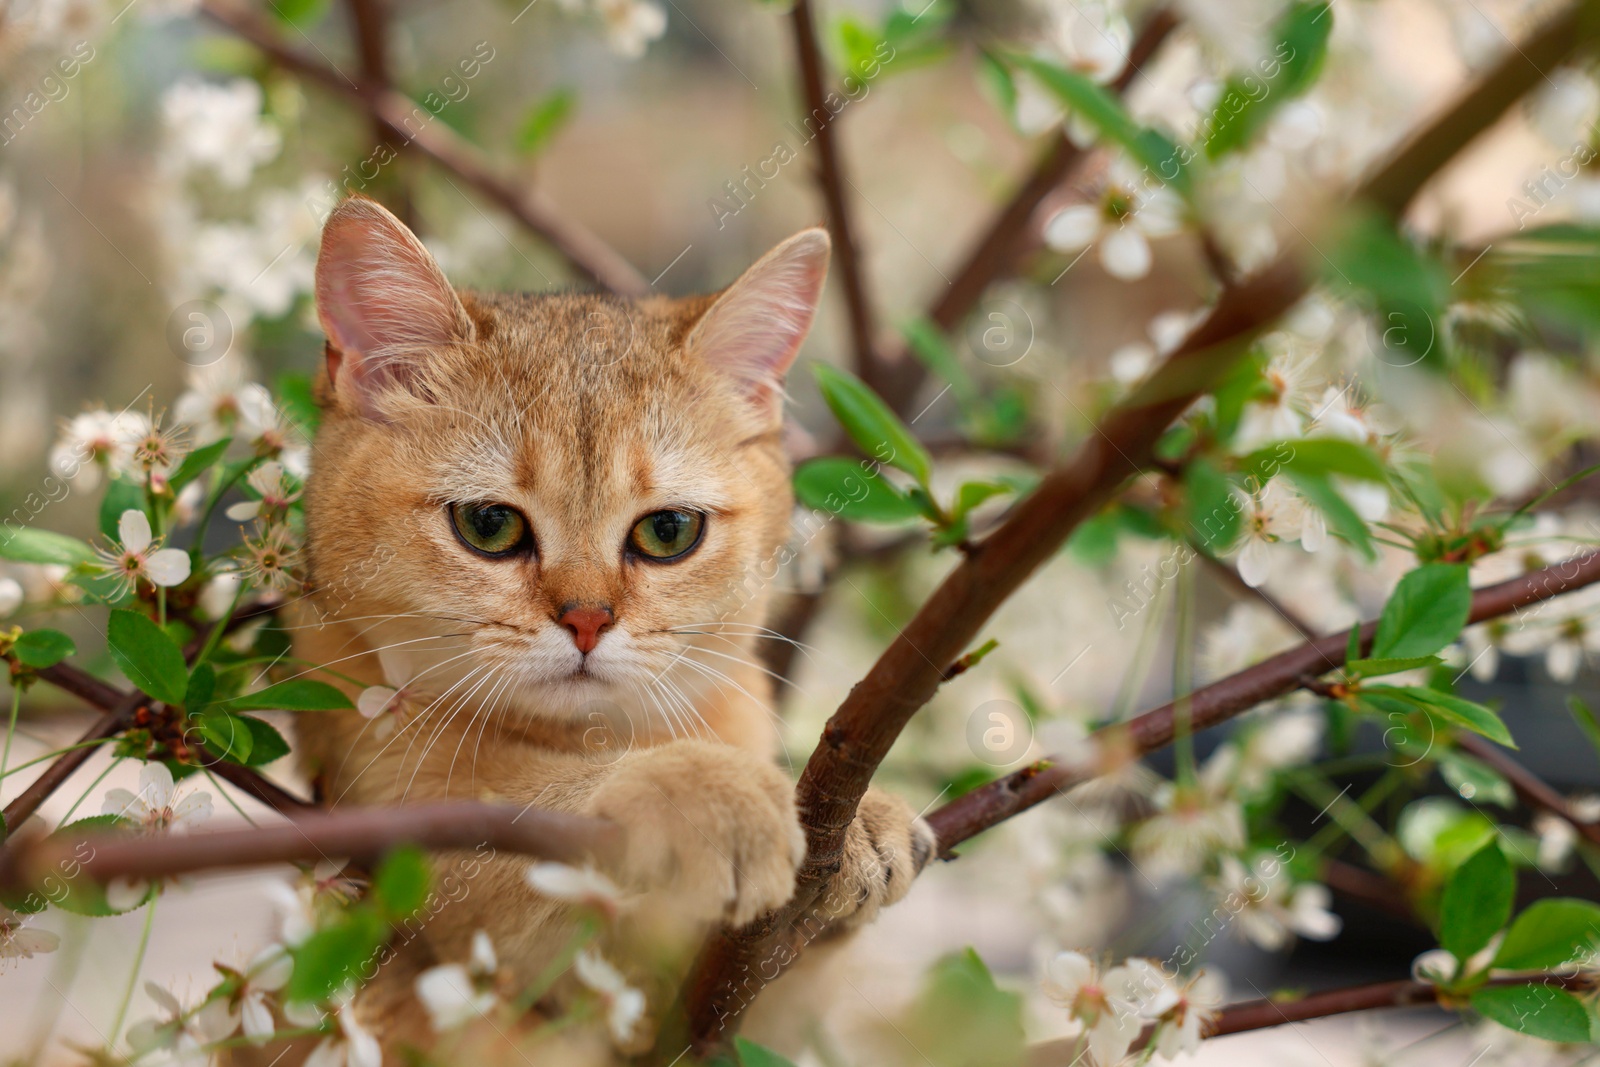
<point>971,814</point>
<point>119,711</point>
<point>1008,236</point>
<point>581,247</point>
<point>860,733</point>
<point>370,21</point>
<point>1270,1011</point>
<point>1533,790</point>
<point>360,834</point>
<point>831,180</point>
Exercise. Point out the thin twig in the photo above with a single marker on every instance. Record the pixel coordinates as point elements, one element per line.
<point>119,712</point>
<point>584,249</point>
<point>359,834</point>
<point>831,180</point>
<point>1533,790</point>
<point>1271,1011</point>
<point>988,805</point>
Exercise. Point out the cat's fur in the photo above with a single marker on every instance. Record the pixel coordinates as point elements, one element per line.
<point>585,412</point>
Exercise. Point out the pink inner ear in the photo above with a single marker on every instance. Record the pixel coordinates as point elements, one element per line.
<point>754,330</point>
<point>381,298</point>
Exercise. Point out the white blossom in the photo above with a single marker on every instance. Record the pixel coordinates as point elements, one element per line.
<point>578,885</point>
<point>1129,212</point>
<point>1105,1006</point>
<point>19,941</point>
<point>624,1005</point>
<point>455,994</point>
<point>139,556</point>
<point>218,128</point>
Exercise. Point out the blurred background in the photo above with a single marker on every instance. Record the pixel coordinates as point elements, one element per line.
<point>159,212</point>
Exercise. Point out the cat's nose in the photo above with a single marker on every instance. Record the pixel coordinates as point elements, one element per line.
<point>586,623</point>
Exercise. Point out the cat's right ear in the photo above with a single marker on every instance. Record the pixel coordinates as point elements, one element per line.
<point>383,302</point>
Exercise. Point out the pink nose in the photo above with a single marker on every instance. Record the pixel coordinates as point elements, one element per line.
<point>586,625</point>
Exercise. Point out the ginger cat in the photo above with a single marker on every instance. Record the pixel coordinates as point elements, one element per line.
<point>543,519</point>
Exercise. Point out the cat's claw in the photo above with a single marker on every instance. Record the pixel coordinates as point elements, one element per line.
<point>711,832</point>
<point>885,849</point>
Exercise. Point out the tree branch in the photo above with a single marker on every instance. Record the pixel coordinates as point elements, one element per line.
<point>360,834</point>
<point>120,711</point>
<point>860,733</point>
<point>1268,1012</point>
<point>1533,790</point>
<point>581,247</point>
<point>832,181</point>
<point>971,814</point>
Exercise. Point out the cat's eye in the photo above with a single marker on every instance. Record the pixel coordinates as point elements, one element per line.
<point>667,535</point>
<point>492,529</point>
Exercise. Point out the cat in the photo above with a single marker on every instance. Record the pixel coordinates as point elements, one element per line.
<point>541,519</point>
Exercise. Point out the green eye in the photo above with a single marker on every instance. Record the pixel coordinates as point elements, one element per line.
<point>493,529</point>
<point>664,535</point>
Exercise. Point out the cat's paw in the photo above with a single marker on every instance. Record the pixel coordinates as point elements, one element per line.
<point>885,849</point>
<point>711,831</point>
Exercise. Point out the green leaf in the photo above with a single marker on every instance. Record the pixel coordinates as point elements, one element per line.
<point>545,119</point>
<point>299,13</point>
<point>1548,933</point>
<point>226,736</point>
<point>841,487</point>
<point>1342,519</point>
<point>27,545</point>
<point>996,77</point>
<point>971,494</point>
<point>1476,902</point>
<point>1248,101</point>
<point>874,428</point>
<point>202,687</point>
<point>1454,710</point>
<point>1474,780</point>
<point>1585,720</point>
<point>1405,288</point>
<point>198,462</point>
<point>122,494</point>
<point>1164,160</point>
<point>754,1055</point>
<point>297,694</point>
<point>43,648</point>
<point>147,656</point>
<point>1374,668</point>
<point>1537,1010</point>
<point>335,957</point>
<point>962,1019</point>
<point>266,743</point>
<point>1211,508</point>
<point>1317,455</point>
<point>400,886</point>
<point>297,399</point>
<point>930,345</point>
<point>1425,613</point>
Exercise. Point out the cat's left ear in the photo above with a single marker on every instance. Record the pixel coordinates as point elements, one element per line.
<point>754,329</point>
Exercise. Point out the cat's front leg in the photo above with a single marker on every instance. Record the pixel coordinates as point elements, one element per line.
<point>711,832</point>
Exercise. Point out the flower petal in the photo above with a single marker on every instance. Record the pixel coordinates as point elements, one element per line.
<point>168,567</point>
<point>374,700</point>
<point>244,511</point>
<point>133,528</point>
<point>1073,229</point>
<point>1125,254</point>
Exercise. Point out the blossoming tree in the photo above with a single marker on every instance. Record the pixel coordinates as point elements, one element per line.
<point>1339,467</point>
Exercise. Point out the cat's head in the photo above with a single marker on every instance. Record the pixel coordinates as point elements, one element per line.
<point>546,500</point>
